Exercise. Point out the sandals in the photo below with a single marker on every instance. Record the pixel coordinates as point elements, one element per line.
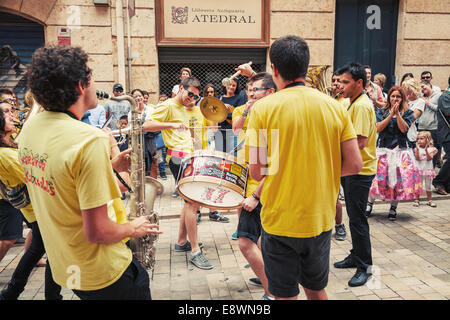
<point>430,203</point>
<point>440,190</point>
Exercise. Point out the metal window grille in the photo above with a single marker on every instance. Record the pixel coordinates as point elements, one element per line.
<point>169,74</point>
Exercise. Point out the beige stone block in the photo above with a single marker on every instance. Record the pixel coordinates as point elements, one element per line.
<point>92,39</point>
<point>102,67</point>
<point>40,10</point>
<point>145,78</point>
<point>423,26</point>
<point>88,16</point>
<point>425,52</point>
<point>76,2</point>
<point>11,4</point>
<point>142,24</point>
<point>145,3</point>
<point>321,53</point>
<point>302,5</point>
<point>428,6</point>
<point>307,25</point>
<point>145,48</point>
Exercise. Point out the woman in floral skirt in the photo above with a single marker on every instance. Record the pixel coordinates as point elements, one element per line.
<point>398,176</point>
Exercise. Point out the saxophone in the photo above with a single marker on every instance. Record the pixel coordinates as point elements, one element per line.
<point>145,189</point>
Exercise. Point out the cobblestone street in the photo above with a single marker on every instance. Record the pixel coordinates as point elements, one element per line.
<point>411,258</point>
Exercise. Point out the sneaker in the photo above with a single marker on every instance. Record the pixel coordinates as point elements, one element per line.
<point>368,209</point>
<point>185,247</point>
<point>163,176</point>
<point>340,234</point>
<point>175,194</point>
<point>392,216</point>
<point>216,216</point>
<point>199,216</point>
<point>20,240</point>
<point>200,261</point>
<point>359,279</point>
<point>234,236</point>
<point>266,297</point>
<point>255,282</point>
<point>346,263</point>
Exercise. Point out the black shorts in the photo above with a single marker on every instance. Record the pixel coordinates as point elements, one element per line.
<point>11,221</point>
<point>175,167</point>
<point>290,261</point>
<point>249,225</point>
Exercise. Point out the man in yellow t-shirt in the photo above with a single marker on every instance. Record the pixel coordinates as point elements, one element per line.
<point>356,187</point>
<point>171,118</point>
<point>70,181</point>
<point>12,178</point>
<point>249,226</point>
<point>301,141</point>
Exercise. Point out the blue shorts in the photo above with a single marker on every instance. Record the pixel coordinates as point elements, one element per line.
<point>290,261</point>
<point>11,221</point>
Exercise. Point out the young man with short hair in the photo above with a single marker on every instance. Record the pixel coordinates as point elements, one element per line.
<point>356,187</point>
<point>72,186</point>
<point>171,118</point>
<point>300,140</point>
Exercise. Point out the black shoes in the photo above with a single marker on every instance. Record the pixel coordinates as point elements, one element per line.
<point>346,263</point>
<point>392,216</point>
<point>368,209</point>
<point>359,279</point>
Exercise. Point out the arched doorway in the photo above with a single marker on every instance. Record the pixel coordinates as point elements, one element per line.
<point>19,38</point>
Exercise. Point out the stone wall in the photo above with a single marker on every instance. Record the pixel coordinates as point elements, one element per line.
<point>423,38</point>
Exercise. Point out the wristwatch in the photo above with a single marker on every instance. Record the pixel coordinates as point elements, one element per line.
<point>255,196</point>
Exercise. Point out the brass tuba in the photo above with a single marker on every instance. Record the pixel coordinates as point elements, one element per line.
<point>316,78</point>
<point>33,108</point>
<point>145,189</point>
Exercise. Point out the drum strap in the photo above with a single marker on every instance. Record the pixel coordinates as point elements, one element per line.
<point>176,154</point>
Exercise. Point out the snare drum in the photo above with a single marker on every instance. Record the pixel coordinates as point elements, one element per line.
<point>213,179</point>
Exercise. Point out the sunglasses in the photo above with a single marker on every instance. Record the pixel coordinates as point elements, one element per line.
<point>9,100</point>
<point>118,90</point>
<point>192,95</point>
<point>258,89</point>
<point>426,77</point>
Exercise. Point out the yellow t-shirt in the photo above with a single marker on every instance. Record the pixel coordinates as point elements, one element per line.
<point>242,154</point>
<point>304,129</point>
<point>171,111</point>
<point>344,101</point>
<point>12,176</point>
<point>77,176</point>
<point>364,121</point>
<point>196,119</point>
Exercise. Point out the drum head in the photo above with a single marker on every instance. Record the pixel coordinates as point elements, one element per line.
<point>210,194</point>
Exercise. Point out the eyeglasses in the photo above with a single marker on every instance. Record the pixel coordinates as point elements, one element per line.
<point>11,101</point>
<point>257,89</point>
<point>426,77</point>
<point>192,95</point>
<point>118,90</point>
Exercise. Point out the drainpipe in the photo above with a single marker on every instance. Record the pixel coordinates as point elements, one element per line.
<point>120,44</point>
<point>130,83</point>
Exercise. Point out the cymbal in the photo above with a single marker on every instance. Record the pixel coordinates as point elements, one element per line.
<point>213,109</point>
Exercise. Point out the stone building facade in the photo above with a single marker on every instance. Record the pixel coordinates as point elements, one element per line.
<point>422,40</point>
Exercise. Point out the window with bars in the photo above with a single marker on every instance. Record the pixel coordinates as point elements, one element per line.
<point>209,65</point>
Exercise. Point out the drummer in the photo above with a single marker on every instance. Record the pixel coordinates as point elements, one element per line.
<point>249,226</point>
<point>172,119</point>
<point>200,136</point>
